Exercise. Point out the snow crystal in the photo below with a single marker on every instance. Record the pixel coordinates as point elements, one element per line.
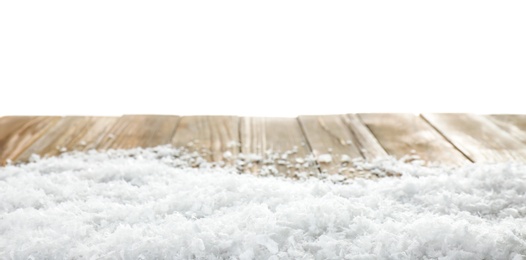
<point>345,158</point>
<point>166,203</point>
<point>227,155</point>
<point>325,158</point>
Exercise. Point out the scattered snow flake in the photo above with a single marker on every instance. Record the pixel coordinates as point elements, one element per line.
<point>300,160</point>
<point>232,144</point>
<point>282,162</point>
<point>227,155</point>
<point>325,158</point>
<point>34,157</point>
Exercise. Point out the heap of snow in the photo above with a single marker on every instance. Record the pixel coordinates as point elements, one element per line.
<point>152,203</point>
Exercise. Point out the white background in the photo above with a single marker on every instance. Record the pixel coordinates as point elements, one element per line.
<point>261,58</point>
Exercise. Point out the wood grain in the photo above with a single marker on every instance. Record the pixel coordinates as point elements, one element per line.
<point>495,138</point>
<point>478,137</point>
<point>330,135</point>
<point>514,125</point>
<point>267,137</point>
<point>368,144</point>
<point>216,138</point>
<point>404,135</point>
<point>90,138</point>
<point>132,131</point>
<point>17,133</point>
<point>57,138</point>
<point>72,133</point>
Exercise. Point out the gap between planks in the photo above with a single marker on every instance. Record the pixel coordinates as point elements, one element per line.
<point>480,137</point>
<point>338,140</point>
<point>408,137</point>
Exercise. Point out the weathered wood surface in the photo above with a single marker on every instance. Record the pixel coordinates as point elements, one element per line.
<point>409,136</point>
<point>215,137</point>
<point>289,145</point>
<point>58,138</point>
<point>266,138</point>
<point>514,125</point>
<point>72,133</point>
<point>478,137</point>
<point>330,137</point>
<point>90,138</point>
<point>18,133</point>
<point>369,146</point>
<point>131,131</point>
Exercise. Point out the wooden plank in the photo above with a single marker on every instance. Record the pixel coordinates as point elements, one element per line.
<point>478,137</point>
<point>56,138</point>
<point>330,135</point>
<point>133,131</point>
<point>90,138</point>
<point>269,137</point>
<point>514,125</point>
<point>369,146</point>
<point>70,133</point>
<point>407,136</point>
<point>17,133</point>
<point>216,138</point>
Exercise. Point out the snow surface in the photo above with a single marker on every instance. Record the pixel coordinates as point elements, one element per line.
<point>150,203</point>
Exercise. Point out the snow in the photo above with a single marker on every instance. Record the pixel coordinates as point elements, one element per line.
<point>151,203</point>
<point>345,158</point>
<point>227,155</point>
<point>325,158</point>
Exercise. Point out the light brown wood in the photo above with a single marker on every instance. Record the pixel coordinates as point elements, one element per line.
<point>72,133</point>
<point>478,137</point>
<point>495,138</point>
<point>268,137</point>
<point>90,138</point>
<point>406,135</point>
<point>330,135</point>
<point>132,131</point>
<point>216,138</point>
<point>514,125</point>
<point>57,138</point>
<point>18,133</point>
<point>365,140</point>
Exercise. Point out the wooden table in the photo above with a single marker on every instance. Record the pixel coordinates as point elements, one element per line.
<point>449,139</point>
